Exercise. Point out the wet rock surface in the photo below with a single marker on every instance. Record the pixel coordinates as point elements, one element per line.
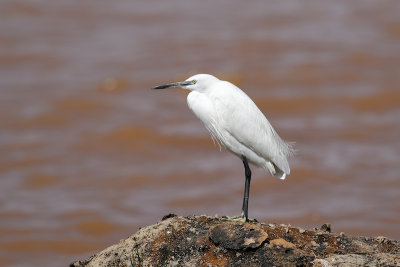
<point>210,241</point>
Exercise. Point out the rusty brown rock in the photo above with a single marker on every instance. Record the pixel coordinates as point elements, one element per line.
<point>280,242</point>
<point>210,241</point>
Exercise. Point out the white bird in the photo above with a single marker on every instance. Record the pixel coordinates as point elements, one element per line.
<point>234,121</point>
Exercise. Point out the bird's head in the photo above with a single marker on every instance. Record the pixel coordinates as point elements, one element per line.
<point>198,82</point>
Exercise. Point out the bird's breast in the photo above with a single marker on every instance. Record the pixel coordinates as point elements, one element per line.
<point>202,106</point>
<point>204,109</point>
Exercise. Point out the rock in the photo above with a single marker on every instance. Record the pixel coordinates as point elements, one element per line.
<point>237,235</point>
<point>170,215</point>
<point>380,259</point>
<point>326,227</point>
<point>210,241</point>
<point>280,242</point>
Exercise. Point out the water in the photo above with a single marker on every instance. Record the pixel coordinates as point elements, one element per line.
<point>89,154</point>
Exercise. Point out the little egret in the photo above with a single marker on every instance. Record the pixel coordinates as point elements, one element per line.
<point>234,121</point>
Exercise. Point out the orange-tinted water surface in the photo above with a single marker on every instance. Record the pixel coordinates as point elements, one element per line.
<point>89,154</point>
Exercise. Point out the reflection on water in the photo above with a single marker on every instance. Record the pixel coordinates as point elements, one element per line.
<point>89,154</point>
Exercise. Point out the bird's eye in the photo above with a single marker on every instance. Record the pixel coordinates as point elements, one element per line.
<point>194,82</point>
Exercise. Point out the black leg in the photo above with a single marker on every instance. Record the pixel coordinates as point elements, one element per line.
<point>247,172</point>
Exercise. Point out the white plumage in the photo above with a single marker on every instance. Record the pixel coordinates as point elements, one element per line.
<point>234,121</point>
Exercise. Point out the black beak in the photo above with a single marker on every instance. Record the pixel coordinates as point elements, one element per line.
<point>178,84</point>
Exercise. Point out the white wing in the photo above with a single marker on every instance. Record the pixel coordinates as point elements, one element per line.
<point>240,118</point>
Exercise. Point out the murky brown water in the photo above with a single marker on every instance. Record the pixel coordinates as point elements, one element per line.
<point>89,153</point>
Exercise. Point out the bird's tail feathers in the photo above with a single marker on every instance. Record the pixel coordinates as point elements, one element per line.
<point>290,150</point>
<point>276,171</point>
<point>279,173</point>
